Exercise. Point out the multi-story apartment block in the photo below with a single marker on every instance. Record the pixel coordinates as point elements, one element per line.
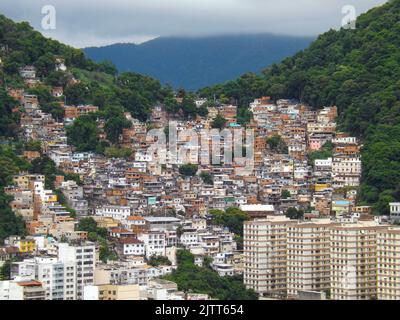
<point>116,212</point>
<point>26,290</point>
<point>265,255</point>
<point>154,243</point>
<point>388,264</point>
<point>122,273</point>
<point>83,255</point>
<point>394,211</point>
<point>346,171</point>
<point>353,261</point>
<point>58,278</point>
<point>308,256</point>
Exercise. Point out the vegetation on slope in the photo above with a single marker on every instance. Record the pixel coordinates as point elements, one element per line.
<point>191,278</point>
<point>359,72</point>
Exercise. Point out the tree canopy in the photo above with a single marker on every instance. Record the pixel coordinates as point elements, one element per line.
<point>232,218</point>
<point>191,278</point>
<point>188,170</point>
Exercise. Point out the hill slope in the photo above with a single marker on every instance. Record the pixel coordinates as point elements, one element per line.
<point>193,63</point>
<point>357,70</point>
<point>21,45</point>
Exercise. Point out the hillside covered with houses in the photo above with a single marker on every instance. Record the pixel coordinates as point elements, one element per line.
<point>86,198</point>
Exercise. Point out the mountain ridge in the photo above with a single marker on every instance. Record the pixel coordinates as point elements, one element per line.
<point>196,62</point>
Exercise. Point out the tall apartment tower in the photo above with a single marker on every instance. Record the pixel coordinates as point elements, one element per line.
<point>265,255</point>
<point>353,261</point>
<point>308,256</point>
<point>388,263</point>
<point>84,257</point>
<point>58,279</point>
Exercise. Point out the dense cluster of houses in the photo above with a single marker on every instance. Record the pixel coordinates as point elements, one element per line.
<point>150,210</point>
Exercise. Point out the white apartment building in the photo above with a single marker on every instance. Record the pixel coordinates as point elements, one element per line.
<point>308,256</point>
<point>223,269</point>
<point>27,72</point>
<point>119,213</point>
<point>23,290</point>
<point>353,261</point>
<point>143,157</point>
<point>323,164</point>
<point>189,237</point>
<point>154,243</point>
<point>130,247</point>
<point>394,211</point>
<point>388,264</point>
<point>346,171</point>
<point>121,273</point>
<point>265,255</point>
<point>84,257</point>
<point>344,140</point>
<point>346,165</point>
<point>58,278</point>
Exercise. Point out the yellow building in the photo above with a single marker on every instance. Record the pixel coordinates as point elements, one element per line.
<point>26,245</point>
<point>112,292</point>
<point>322,187</point>
<point>52,198</point>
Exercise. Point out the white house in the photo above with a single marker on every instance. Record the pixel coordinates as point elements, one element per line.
<point>119,213</point>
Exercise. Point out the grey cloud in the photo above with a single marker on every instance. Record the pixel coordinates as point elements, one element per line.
<point>97,22</point>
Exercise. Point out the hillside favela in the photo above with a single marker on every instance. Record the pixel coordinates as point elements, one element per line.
<point>280,183</point>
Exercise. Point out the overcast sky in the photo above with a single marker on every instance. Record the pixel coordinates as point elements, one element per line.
<point>84,23</point>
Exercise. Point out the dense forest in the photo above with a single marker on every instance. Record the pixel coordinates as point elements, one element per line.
<point>358,70</point>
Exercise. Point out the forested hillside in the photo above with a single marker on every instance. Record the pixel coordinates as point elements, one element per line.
<point>357,70</point>
<point>99,83</point>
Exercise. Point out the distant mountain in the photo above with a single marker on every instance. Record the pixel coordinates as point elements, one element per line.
<point>193,63</point>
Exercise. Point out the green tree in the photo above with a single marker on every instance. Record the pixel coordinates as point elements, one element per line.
<point>33,145</point>
<point>114,127</point>
<point>232,218</point>
<point>325,153</point>
<point>113,152</point>
<point>84,134</point>
<point>277,144</point>
<point>188,170</point>
<point>206,177</point>
<point>190,277</point>
<point>8,119</point>
<point>285,194</point>
<point>293,213</point>
<point>5,271</point>
<point>219,122</point>
<point>156,261</point>
<point>87,224</point>
<point>10,224</point>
